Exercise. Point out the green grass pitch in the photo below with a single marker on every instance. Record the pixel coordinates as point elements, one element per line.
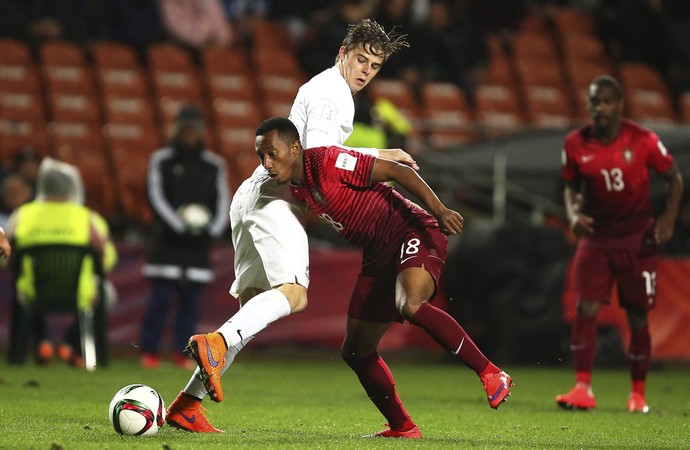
<point>291,400</point>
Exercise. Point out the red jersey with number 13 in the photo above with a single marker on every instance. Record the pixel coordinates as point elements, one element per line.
<point>336,184</point>
<point>615,176</point>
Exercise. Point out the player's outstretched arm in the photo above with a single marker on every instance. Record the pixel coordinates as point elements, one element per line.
<point>450,222</point>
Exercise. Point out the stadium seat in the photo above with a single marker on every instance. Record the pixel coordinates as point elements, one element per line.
<point>21,105</point>
<point>236,112</point>
<point>128,109</point>
<point>74,107</point>
<point>581,48</point>
<point>449,120</point>
<point>121,81</point>
<point>498,109</point>
<point>568,20</point>
<point>131,163</point>
<point>226,60</point>
<point>271,34</point>
<point>169,56</point>
<point>647,96</point>
<point>108,54</point>
<point>579,75</point>
<point>400,94</point>
<point>14,51</point>
<point>17,134</point>
<point>547,100</point>
<point>534,47</point>
<point>276,61</point>
<point>233,140</point>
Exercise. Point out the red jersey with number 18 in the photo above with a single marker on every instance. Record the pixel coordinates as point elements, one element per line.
<point>615,176</point>
<point>336,184</point>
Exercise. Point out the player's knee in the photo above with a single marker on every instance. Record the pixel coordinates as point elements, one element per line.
<point>296,296</point>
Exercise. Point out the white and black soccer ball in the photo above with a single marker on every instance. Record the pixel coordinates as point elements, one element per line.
<point>137,410</point>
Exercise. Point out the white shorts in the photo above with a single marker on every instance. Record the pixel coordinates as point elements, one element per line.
<point>271,246</point>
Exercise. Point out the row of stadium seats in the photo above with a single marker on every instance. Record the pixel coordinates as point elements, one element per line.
<point>105,110</point>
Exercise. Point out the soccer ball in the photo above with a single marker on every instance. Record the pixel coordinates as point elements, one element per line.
<point>195,216</point>
<point>137,410</point>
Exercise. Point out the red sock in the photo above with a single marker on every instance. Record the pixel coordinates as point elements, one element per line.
<point>639,354</point>
<point>584,345</point>
<point>377,381</point>
<point>449,334</point>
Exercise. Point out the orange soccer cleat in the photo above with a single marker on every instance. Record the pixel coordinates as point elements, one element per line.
<point>579,397</point>
<point>412,433</point>
<point>497,386</point>
<point>208,350</point>
<point>186,413</point>
<point>637,403</point>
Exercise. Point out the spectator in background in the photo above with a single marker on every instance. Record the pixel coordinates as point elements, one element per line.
<point>58,216</point>
<point>196,23</point>
<point>329,27</point>
<point>607,166</point>
<point>14,192</point>
<point>453,47</point>
<point>136,23</point>
<point>37,21</point>
<point>188,190</point>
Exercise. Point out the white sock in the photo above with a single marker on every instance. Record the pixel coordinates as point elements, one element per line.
<point>254,316</point>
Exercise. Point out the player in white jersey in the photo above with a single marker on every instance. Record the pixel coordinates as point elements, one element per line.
<point>271,247</point>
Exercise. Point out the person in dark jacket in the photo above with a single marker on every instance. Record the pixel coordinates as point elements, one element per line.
<point>188,190</point>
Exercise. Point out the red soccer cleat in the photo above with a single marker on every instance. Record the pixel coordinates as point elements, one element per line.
<point>497,386</point>
<point>412,433</point>
<point>186,413</point>
<point>637,403</point>
<point>208,350</point>
<point>45,353</point>
<point>579,397</point>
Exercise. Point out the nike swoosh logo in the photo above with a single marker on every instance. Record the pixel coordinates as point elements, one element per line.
<point>239,333</point>
<point>459,347</point>
<point>587,158</point>
<point>211,361</point>
<point>187,418</point>
<point>407,259</point>
<point>495,396</point>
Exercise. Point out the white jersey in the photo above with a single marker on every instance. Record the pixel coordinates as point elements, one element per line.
<point>271,246</point>
<point>323,110</point>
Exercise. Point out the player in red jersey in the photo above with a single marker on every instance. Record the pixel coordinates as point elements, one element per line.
<point>606,168</point>
<point>404,252</point>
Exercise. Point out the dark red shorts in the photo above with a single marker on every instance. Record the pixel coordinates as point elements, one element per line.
<point>373,298</point>
<point>597,267</point>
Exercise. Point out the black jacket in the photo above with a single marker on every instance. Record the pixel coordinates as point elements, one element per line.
<point>176,178</point>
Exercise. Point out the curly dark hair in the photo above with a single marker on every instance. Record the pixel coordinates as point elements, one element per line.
<point>374,39</point>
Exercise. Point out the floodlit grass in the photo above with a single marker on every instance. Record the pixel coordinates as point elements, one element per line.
<point>275,400</point>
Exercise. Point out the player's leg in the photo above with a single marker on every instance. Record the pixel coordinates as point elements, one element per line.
<point>421,261</point>
<point>593,281</point>
<point>359,352</point>
<point>186,321</point>
<point>271,253</point>
<point>414,287</point>
<point>154,321</point>
<point>637,295</point>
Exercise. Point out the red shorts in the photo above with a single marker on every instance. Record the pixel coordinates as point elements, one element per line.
<point>373,298</point>
<point>597,266</point>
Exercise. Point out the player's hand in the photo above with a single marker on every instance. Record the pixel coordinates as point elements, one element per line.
<point>582,225</point>
<point>663,228</point>
<point>398,155</point>
<point>5,248</point>
<point>450,222</point>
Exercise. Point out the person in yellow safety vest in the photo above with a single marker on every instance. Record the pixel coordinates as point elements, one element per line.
<point>57,216</point>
